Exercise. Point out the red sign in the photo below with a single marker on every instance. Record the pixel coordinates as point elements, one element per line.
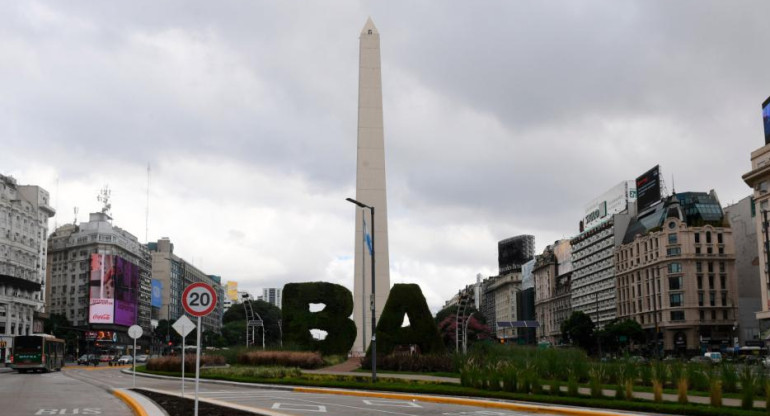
<point>199,299</point>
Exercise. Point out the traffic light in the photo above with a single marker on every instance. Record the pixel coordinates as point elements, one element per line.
<point>170,344</point>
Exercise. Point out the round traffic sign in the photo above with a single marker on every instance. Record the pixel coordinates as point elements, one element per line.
<point>199,299</point>
<point>135,331</point>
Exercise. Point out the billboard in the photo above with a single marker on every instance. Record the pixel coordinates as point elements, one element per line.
<point>157,293</point>
<point>113,290</point>
<point>648,189</point>
<point>613,201</point>
<point>126,291</point>
<point>766,119</point>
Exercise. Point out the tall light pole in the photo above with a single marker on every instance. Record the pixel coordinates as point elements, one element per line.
<point>371,301</point>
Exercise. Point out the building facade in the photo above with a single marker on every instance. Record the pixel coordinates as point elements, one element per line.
<point>176,274</point>
<point>552,274</point>
<point>676,275</point>
<point>758,178</point>
<point>273,296</point>
<point>70,250</point>
<point>24,214</point>
<point>742,219</point>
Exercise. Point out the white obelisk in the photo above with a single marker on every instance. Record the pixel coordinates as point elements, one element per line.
<point>370,190</point>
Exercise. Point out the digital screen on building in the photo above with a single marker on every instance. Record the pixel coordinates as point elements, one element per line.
<point>766,119</point>
<point>113,290</point>
<point>648,189</point>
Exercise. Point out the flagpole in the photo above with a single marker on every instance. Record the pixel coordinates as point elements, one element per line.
<point>363,282</point>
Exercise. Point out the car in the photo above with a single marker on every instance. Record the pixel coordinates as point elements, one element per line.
<point>125,359</point>
<point>105,358</point>
<point>142,358</point>
<point>88,359</point>
<point>701,359</point>
<point>715,357</point>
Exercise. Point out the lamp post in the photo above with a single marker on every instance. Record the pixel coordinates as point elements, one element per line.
<point>371,302</point>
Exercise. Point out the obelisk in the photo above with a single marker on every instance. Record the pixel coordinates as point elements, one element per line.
<point>370,190</point>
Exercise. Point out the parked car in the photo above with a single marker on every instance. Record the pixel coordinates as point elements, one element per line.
<point>142,358</point>
<point>715,357</point>
<point>88,359</point>
<point>125,359</point>
<point>701,359</point>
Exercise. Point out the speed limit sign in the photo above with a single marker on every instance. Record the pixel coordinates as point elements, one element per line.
<point>199,299</point>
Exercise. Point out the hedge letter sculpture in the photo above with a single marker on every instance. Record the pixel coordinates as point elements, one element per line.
<point>334,318</point>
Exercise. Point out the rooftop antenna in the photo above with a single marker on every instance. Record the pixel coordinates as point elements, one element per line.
<point>673,185</point>
<point>104,198</point>
<point>75,221</point>
<point>147,208</point>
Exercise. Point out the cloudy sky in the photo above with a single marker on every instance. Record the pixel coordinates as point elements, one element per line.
<point>501,118</point>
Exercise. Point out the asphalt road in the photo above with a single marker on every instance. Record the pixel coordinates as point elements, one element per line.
<point>280,401</point>
<point>55,394</point>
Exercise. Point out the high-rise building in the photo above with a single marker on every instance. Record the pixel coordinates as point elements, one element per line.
<point>24,214</point>
<point>759,179</point>
<point>176,274</point>
<point>99,277</point>
<point>514,252</point>
<point>231,291</point>
<point>602,229</point>
<point>676,275</point>
<point>742,217</point>
<point>272,296</point>
<point>370,190</point>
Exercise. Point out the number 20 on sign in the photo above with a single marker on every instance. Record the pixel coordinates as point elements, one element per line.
<point>199,299</point>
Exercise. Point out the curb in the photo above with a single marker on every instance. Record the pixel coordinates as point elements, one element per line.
<point>221,382</point>
<point>133,402</point>
<point>465,402</point>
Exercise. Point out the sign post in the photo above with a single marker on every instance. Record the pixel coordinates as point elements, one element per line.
<point>135,331</point>
<point>183,326</point>
<point>198,299</point>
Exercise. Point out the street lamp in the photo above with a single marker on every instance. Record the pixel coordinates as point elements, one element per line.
<point>371,302</point>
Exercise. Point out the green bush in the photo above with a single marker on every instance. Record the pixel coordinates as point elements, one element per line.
<point>428,363</point>
<point>307,360</point>
<point>174,363</point>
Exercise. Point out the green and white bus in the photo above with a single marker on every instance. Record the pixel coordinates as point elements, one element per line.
<point>37,353</point>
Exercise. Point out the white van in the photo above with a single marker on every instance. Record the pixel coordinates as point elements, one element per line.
<point>715,357</point>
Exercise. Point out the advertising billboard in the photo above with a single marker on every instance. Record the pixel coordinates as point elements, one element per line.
<point>648,189</point>
<point>157,293</point>
<point>101,290</point>
<point>126,291</point>
<point>766,119</point>
<point>113,290</point>
<point>614,201</point>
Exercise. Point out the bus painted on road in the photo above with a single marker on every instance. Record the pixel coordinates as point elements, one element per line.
<point>37,353</point>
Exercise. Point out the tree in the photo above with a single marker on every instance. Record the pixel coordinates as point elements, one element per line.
<point>270,314</point>
<point>579,330</point>
<point>620,333</point>
<point>60,327</point>
<point>447,326</point>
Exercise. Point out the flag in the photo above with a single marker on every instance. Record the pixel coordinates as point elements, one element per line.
<point>368,238</point>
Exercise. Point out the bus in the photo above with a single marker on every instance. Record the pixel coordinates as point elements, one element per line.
<point>37,353</point>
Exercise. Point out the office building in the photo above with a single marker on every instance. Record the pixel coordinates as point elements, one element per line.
<point>99,277</point>
<point>552,273</point>
<point>272,296</point>
<point>176,274</point>
<point>676,275</point>
<point>24,214</point>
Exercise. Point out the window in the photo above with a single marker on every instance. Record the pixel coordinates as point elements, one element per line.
<point>713,315</point>
<point>702,316</point>
<point>719,238</point>
<point>699,267</point>
<point>675,268</point>
<point>697,250</point>
<point>697,238</point>
<point>708,237</point>
<point>722,282</point>
<point>711,267</point>
<point>671,225</point>
<point>712,298</point>
<point>677,315</point>
<point>700,298</point>
<point>724,298</point>
<point>711,281</point>
<point>675,283</point>
<point>724,314</point>
<point>673,251</point>
<point>721,267</point>
<point>672,238</point>
<point>675,299</point>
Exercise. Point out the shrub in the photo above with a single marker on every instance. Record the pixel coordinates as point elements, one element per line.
<point>572,386</point>
<point>298,320</point>
<point>174,363</point>
<point>255,372</point>
<point>681,389</point>
<point>729,378</point>
<point>595,383</point>
<point>306,360</point>
<point>415,363</point>
<point>748,381</point>
<point>629,389</point>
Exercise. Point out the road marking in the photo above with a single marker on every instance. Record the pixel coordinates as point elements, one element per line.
<point>392,403</point>
<point>75,411</point>
<point>306,408</point>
